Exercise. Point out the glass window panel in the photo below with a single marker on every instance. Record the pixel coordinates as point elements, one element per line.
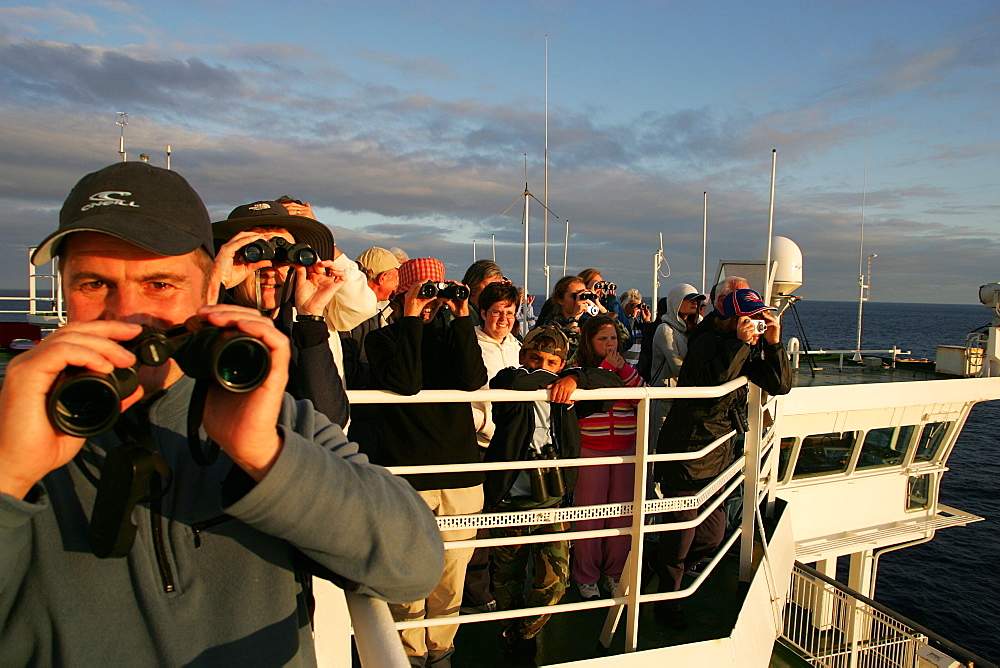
<point>931,439</point>
<point>784,454</point>
<point>885,447</point>
<point>823,454</point>
<point>918,495</point>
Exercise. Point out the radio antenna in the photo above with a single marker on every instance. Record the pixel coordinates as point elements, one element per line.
<point>122,121</point>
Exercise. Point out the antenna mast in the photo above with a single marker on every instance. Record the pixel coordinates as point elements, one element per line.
<point>704,240</point>
<point>168,157</point>
<point>861,250</point>
<point>122,121</point>
<point>770,229</point>
<point>545,195</point>
<point>657,262</point>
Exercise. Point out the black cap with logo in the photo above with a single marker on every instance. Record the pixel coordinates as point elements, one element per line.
<point>148,206</point>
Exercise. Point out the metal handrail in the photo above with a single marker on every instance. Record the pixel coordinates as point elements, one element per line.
<point>738,473</point>
<point>937,639</point>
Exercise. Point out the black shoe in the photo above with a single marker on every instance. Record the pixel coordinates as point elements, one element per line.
<point>518,651</point>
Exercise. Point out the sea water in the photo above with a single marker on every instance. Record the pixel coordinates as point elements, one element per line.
<point>951,584</point>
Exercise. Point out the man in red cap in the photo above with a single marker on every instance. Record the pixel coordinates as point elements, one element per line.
<point>424,350</point>
<point>744,339</point>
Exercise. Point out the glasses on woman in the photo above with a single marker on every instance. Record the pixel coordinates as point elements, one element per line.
<point>508,315</point>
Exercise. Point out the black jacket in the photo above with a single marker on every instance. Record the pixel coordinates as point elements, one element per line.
<point>715,356</point>
<point>312,373</point>
<point>407,356</point>
<point>515,423</point>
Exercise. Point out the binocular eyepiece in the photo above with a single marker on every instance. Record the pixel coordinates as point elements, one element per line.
<point>545,482</point>
<point>84,403</point>
<point>279,251</point>
<point>455,291</point>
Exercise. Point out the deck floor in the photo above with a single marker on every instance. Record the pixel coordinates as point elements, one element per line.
<point>573,636</point>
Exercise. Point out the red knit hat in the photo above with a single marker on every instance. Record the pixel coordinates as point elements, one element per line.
<point>419,270</point>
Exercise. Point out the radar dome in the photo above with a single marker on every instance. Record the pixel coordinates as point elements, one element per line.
<point>788,274</point>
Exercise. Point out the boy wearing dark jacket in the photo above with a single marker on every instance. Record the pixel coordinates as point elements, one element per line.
<point>536,430</point>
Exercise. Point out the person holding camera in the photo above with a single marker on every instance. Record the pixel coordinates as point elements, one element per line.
<point>744,340</point>
<point>423,350</point>
<point>282,265</point>
<point>571,304</point>
<point>218,551</point>
<point>536,430</point>
<point>607,295</point>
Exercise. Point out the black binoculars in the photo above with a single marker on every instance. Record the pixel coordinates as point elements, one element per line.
<point>279,251</point>
<point>545,482</point>
<point>454,291</point>
<point>607,286</point>
<point>84,403</point>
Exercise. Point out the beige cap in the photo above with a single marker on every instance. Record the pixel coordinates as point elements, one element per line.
<point>375,260</point>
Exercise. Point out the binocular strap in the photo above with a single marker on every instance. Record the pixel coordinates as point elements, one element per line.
<point>286,289</point>
<point>132,473</point>
<point>196,411</point>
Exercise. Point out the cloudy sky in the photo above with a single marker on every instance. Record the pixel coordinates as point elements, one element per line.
<point>409,124</point>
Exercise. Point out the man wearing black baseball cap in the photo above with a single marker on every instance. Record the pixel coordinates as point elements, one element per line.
<point>213,573</point>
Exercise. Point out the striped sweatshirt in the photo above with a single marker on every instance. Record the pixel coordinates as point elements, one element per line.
<point>614,430</point>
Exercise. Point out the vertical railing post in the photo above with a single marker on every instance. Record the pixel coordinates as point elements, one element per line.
<point>638,520</point>
<point>751,482</point>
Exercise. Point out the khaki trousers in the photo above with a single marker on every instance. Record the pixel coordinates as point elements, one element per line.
<point>446,599</point>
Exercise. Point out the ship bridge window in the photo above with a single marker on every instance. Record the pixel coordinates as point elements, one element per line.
<point>825,454</point>
<point>885,447</point>
<point>918,492</point>
<point>931,439</point>
<point>784,454</point>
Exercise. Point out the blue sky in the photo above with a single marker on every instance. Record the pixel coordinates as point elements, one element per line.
<point>407,124</point>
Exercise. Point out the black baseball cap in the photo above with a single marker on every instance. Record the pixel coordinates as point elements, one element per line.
<point>274,214</point>
<point>151,207</point>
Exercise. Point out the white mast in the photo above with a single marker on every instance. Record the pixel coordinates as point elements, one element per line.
<point>565,247</point>
<point>122,121</point>
<point>770,229</point>
<point>545,195</point>
<point>704,241</point>
<point>861,249</point>
<point>168,157</point>
<point>494,247</point>
<point>657,261</point>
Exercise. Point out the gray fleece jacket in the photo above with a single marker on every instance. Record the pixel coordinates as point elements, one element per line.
<point>215,577</point>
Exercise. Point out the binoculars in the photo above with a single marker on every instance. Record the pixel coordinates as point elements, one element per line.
<point>279,251</point>
<point>84,403</point>
<point>607,286</point>
<point>545,482</point>
<point>455,291</point>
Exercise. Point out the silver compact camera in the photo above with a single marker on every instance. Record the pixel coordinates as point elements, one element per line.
<point>759,326</point>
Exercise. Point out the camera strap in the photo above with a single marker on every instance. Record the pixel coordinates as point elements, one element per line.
<point>132,473</point>
<point>196,412</point>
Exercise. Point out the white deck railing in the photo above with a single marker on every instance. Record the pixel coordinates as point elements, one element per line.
<point>833,626</point>
<point>755,472</point>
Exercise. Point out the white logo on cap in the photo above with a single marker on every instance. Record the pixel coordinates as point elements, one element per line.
<point>260,206</point>
<point>107,198</point>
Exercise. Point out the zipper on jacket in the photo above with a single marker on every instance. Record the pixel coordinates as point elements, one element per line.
<point>159,540</point>
<point>207,524</point>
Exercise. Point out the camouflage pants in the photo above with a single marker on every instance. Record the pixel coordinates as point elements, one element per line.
<point>551,565</point>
